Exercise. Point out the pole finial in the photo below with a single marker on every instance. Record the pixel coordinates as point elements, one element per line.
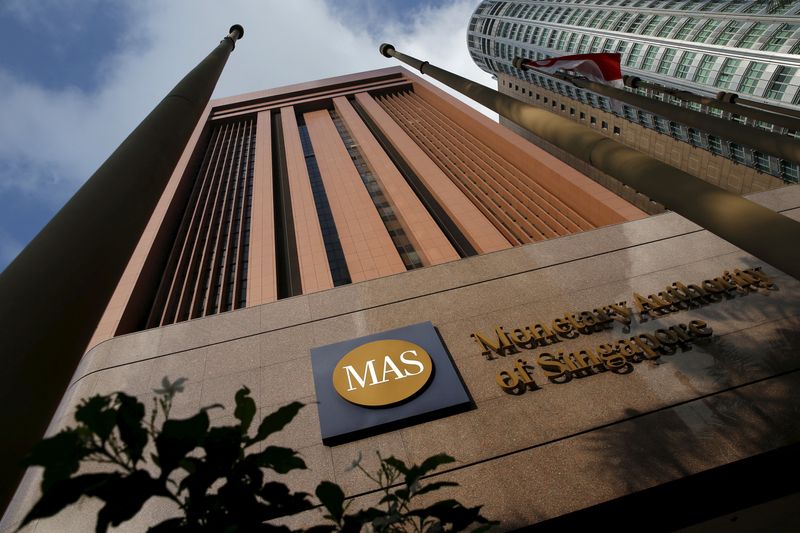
<point>236,32</point>
<point>386,49</point>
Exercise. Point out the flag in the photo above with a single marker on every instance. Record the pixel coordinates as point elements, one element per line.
<point>603,68</point>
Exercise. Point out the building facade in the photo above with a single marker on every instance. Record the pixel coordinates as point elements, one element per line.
<point>302,189</point>
<point>600,366</point>
<point>748,48</point>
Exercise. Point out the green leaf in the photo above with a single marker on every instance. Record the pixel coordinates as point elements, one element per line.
<point>124,497</point>
<point>277,421</point>
<point>97,414</point>
<point>279,459</point>
<point>63,493</point>
<point>129,424</point>
<point>245,409</point>
<point>332,497</point>
<point>179,437</point>
<point>60,455</point>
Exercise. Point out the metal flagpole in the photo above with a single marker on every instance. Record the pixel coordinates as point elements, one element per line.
<point>755,229</point>
<point>54,293</point>
<point>786,119</point>
<point>764,141</point>
<point>737,100</point>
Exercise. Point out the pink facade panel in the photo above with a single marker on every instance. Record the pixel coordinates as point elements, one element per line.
<point>262,278</point>
<point>428,240</point>
<point>368,249</point>
<point>472,223</point>
<point>315,272</point>
<point>585,196</point>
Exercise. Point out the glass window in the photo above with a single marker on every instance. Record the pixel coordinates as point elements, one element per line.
<point>728,32</point>
<point>666,61</point>
<point>543,36</point>
<point>585,17</point>
<point>790,171</point>
<point>553,36</point>
<point>685,65</point>
<point>737,152</point>
<point>667,28</point>
<point>761,161</point>
<point>608,46</point>
<point>651,25</point>
<point>694,137</point>
<point>633,57</point>
<point>705,31</point>
<point>704,69</point>
<point>620,25</point>
<point>595,45</point>
<point>715,144</point>
<point>751,77</point>
<point>583,44</point>
<point>575,16</point>
<point>649,58</point>
<point>685,29</point>
<point>571,42</point>
<point>676,131</point>
<point>754,7</point>
<point>780,37</point>
<point>561,40</point>
<point>554,15</point>
<point>662,126</point>
<point>755,31</point>
<point>609,21</point>
<point>727,72</point>
<point>596,18</point>
<point>780,81</point>
<point>636,24</point>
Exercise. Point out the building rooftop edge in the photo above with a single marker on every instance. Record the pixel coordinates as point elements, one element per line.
<point>307,86</point>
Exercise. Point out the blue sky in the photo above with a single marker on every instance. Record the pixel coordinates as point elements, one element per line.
<point>76,76</point>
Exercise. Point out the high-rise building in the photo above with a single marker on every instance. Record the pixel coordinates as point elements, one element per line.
<point>584,363</point>
<point>703,46</point>
<point>301,189</point>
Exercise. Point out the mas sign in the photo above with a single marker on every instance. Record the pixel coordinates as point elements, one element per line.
<point>384,381</point>
<point>403,369</point>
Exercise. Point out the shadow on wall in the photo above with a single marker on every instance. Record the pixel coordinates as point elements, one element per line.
<point>749,414</point>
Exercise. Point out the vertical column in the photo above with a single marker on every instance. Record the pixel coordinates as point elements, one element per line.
<point>315,272</point>
<point>367,247</point>
<point>262,284</point>
<point>480,232</point>
<point>428,240</point>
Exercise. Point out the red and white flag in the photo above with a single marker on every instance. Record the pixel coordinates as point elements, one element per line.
<point>603,68</point>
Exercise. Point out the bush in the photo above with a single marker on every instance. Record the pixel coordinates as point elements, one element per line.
<point>221,478</point>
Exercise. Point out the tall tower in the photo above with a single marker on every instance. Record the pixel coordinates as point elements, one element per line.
<point>704,46</point>
<point>299,189</point>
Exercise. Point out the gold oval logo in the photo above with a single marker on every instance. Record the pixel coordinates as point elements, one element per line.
<point>382,373</point>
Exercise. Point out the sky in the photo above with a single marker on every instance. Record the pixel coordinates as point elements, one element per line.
<point>76,76</point>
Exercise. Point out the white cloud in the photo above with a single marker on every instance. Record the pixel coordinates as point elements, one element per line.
<point>52,140</point>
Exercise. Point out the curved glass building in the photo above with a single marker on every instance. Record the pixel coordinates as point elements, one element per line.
<point>704,46</point>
